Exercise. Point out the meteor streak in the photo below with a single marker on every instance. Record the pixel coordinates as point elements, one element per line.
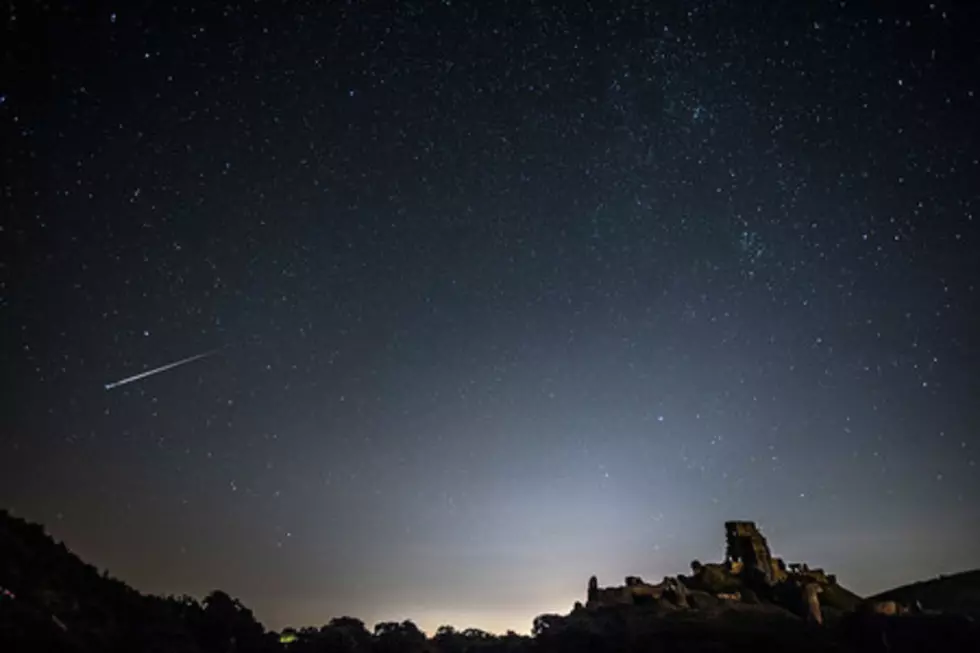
<point>156,370</point>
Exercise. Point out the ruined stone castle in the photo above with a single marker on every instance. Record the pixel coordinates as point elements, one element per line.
<point>749,569</point>
<point>747,555</point>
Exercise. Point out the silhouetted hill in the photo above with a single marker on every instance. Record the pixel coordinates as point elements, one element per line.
<point>55,601</point>
<point>957,594</point>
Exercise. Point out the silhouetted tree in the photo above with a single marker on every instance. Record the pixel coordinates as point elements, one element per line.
<point>341,635</point>
<point>477,634</point>
<point>227,626</point>
<point>545,623</point>
<point>448,640</point>
<point>395,637</point>
<point>354,630</point>
<point>445,631</point>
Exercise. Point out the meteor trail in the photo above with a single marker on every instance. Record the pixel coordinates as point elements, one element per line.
<point>156,370</point>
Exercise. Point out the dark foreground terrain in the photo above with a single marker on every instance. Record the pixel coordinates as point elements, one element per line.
<point>50,600</point>
<point>957,593</point>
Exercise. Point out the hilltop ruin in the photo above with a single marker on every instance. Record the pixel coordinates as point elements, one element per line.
<point>749,574</point>
<point>747,555</point>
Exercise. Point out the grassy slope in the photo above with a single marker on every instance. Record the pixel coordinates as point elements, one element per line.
<point>958,593</point>
<point>840,598</point>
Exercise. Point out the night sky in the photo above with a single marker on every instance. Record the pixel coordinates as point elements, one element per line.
<point>500,295</point>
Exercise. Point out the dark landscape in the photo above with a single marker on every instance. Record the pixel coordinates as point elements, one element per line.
<point>50,600</point>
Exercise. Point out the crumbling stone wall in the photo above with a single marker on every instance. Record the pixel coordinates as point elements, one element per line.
<point>747,546</point>
<point>635,591</point>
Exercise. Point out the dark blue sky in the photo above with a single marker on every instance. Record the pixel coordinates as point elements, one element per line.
<point>505,295</point>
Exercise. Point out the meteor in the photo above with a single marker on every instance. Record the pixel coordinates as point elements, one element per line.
<point>157,370</point>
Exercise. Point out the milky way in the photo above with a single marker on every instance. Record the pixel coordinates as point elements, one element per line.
<point>529,293</point>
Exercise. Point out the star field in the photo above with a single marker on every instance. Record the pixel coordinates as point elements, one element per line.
<point>503,295</point>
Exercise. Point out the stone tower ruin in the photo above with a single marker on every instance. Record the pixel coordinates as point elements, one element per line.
<point>747,548</point>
